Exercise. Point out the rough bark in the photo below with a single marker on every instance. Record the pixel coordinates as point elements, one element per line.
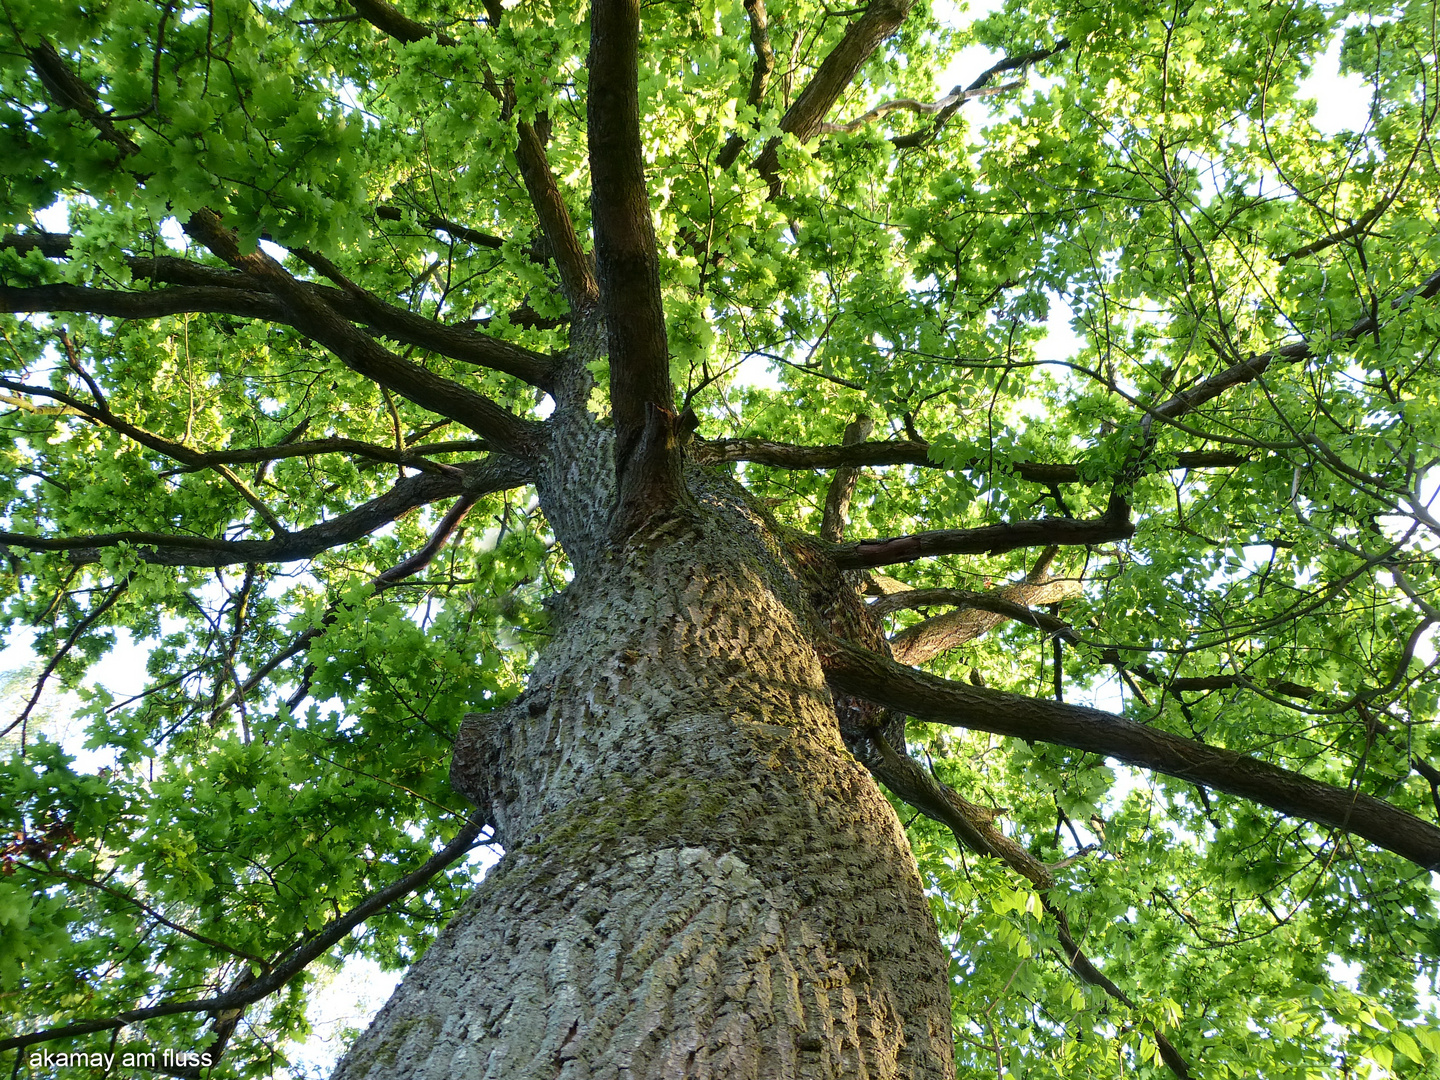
<point>699,881</point>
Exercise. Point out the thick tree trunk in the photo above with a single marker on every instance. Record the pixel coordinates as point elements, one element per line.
<point>700,880</point>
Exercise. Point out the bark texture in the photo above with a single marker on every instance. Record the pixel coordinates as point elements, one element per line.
<point>700,880</point>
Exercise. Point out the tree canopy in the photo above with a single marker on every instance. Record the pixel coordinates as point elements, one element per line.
<point>1159,591</point>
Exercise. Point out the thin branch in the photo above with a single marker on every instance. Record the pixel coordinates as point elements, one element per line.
<point>863,674</point>
<point>960,95</point>
<point>973,827</point>
<point>110,890</point>
<point>295,960</point>
<point>956,97</point>
<point>440,224</point>
<point>64,650</point>
<point>1361,224</point>
<point>576,279</point>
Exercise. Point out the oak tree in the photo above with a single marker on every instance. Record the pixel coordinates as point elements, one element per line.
<point>667,440</point>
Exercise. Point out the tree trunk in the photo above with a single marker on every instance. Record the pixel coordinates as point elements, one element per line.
<point>700,881</point>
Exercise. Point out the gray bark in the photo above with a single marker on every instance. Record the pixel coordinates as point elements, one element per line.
<point>700,881</point>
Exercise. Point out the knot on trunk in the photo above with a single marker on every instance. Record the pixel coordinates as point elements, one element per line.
<point>476,758</point>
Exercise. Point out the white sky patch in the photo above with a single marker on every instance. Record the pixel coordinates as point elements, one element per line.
<point>54,218</point>
<point>1342,101</point>
<point>757,371</point>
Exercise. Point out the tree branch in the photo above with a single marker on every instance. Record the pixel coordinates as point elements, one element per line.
<point>972,827</point>
<point>855,671</point>
<point>440,224</point>
<point>80,627</point>
<point>312,316</point>
<point>294,961</point>
<point>642,399</point>
<point>804,117</point>
<point>219,291</point>
<point>842,485</point>
<point>909,452</point>
<point>495,473</point>
<point>977,614</point>
<point>989,539</point>
<point>958,96</point>
<point>576,279</point>
<point>759,77</point>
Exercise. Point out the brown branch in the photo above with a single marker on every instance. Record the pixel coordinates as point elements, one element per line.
<point>495,473</point>
<point>1361,224</point>
<point>973,828</point>
<point>442,532</point>
<point>759,76</point>
<point>804,117</point>
<point>119,894</point>
<point>977,614</point>
<point>855,671</point>
<point>642,398</point>
<point>215,290</point>
<point>910,452</point>
<point>956,97</point>
<point>294,961</point>
<point>576,279</point>
<point>959,95</point>
<point>392,21</point>
<point>315,318</point>
<point>842,485</point>
<point>315,447</point>
<point>440,224</point>
<point>80,627</point>
<point>989,539</point>
<point>68,91</point>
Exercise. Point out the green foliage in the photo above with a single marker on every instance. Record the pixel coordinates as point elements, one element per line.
<point>1162,186</point>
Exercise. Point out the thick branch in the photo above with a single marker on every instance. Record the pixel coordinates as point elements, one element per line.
<point>168,549</point>
<point>216,290</point>
<point>842,485</point>
<point>312,316</point>
<point>977,614</point>
<point>804,117</point>
<point>989,539</point>
<point>759,77</point>
<point>294,962</point>
<point>909,452</point>
<point>642,399</point>
<point>855,671</point>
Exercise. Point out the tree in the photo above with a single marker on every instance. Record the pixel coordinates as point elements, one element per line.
<point>394,380</point>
